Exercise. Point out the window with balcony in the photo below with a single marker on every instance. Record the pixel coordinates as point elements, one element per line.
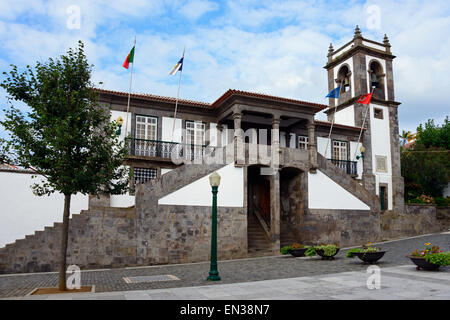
<point>146,133</point>
<point>340,150</point>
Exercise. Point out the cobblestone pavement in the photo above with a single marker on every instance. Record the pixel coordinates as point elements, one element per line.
<point>234,271</point>
<point>396,283</point>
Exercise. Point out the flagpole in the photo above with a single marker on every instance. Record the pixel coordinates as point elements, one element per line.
<point>129,91</point>
<point>362,127</point>
<point>331,128</point>
<point>178,96</point>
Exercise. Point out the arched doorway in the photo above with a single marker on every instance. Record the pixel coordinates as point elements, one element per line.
<point>259,212</point>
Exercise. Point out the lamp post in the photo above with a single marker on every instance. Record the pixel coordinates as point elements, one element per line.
<point>362,150</point>
<point>119,123</point>
<point>214,180</point>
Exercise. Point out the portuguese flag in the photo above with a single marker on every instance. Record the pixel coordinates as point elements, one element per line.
<point>129,59</point>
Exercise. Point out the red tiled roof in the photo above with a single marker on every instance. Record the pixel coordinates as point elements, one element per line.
<point>157,98</point>
<point>232,92</point>
<point>337,125</point>
<point>216,103</point>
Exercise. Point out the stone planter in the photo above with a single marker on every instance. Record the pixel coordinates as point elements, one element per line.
<point>324,257</point>
<point>421,263</point>
<point>298,252</point>
<point>369,257</point>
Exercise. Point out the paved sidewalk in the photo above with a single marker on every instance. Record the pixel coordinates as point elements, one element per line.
<point>236,271</point>
<point>402,282</point>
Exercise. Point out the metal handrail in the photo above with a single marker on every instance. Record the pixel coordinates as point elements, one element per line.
<point>164,149</point>
<point>349,167</point>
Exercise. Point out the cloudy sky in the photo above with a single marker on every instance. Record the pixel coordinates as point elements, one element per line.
<point>275,47</point>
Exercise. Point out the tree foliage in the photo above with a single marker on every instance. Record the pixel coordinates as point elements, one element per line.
<point>426,165</point>
<point>66,136</point>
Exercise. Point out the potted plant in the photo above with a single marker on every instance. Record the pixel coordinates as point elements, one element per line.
<point>366,253</point>
<point>430,258</point>
<point>327,251</point>
<point>296,250</point>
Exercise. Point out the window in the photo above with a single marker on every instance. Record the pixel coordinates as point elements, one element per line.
<point>142,175</point>
<point>381,163</point>
<point>340,150</point>
<point>195,139</point>
<point>303,142</point>
<point>146,129</point>
<point>378,113</point>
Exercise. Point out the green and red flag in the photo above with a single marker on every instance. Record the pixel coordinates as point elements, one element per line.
<point>129,59</point>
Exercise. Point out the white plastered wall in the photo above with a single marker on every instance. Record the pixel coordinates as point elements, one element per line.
<point>22,213</point>
<point>322,146</point>
<point>324,193</point>
<point>115,115</point>
<point>381,146</point>
<point>198,193</point>
<point>166,132</point>
<point>346,116</point>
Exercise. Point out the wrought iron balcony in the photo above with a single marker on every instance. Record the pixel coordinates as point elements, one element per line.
<point>349,167</point>
<point>166,149</point>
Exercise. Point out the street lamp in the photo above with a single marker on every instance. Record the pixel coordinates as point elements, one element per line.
<point>214,180</point>
<point>119,123</point>
<point>362,150</point>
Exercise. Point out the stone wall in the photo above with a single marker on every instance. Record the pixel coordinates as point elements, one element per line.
<point>443,216</point>
<point>346,227</point>
<point>98,238</point>
<point>416,220</point>
<point>181,234</point>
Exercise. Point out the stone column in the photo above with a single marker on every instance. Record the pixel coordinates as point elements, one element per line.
<point>239,155</point>
<point>275,209</point>
<point>312,148</point>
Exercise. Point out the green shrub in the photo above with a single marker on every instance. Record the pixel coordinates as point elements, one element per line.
<point>351,251</point>
<point>285,249</point>
<point>442,202</point>
<point>310,252</point>
<point>442,259</point>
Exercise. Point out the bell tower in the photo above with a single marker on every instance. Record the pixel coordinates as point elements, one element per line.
<point>362,66</point>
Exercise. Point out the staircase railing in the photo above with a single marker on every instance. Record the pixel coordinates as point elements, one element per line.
<point>349,167</point>
<point>264,222</point>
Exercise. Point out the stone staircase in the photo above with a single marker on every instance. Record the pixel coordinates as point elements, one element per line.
<point>98,237</point>
<point>258,242</point>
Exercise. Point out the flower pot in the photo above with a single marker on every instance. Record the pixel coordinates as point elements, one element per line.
<point>298,252</point>
<point>324,257</point>
<point>370,257</point>
<point>421,263</point>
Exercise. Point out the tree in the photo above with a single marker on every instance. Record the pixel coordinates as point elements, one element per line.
<point>66,136</point>
<point>426,165</point>
<point>406,137</point>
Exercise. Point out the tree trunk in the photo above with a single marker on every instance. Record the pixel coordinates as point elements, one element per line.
<point>64,241</point>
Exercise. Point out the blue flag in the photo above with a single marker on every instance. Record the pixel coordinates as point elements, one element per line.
<point>334,93</point>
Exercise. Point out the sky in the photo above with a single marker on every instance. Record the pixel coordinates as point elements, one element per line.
<point>273,47</point>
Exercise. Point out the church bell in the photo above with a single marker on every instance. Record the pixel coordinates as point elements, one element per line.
<point>346,82</point>
<point>374,79</point>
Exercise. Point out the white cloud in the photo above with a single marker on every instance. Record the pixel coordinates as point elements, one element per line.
<point>277,47</point>
<point>194,9</point>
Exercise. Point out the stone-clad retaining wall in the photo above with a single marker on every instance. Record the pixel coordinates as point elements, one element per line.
<point>346,227</point>
<point>180,234</point>
<point>416,220</point>
<point>105,237</point>
<point>98,238</point>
